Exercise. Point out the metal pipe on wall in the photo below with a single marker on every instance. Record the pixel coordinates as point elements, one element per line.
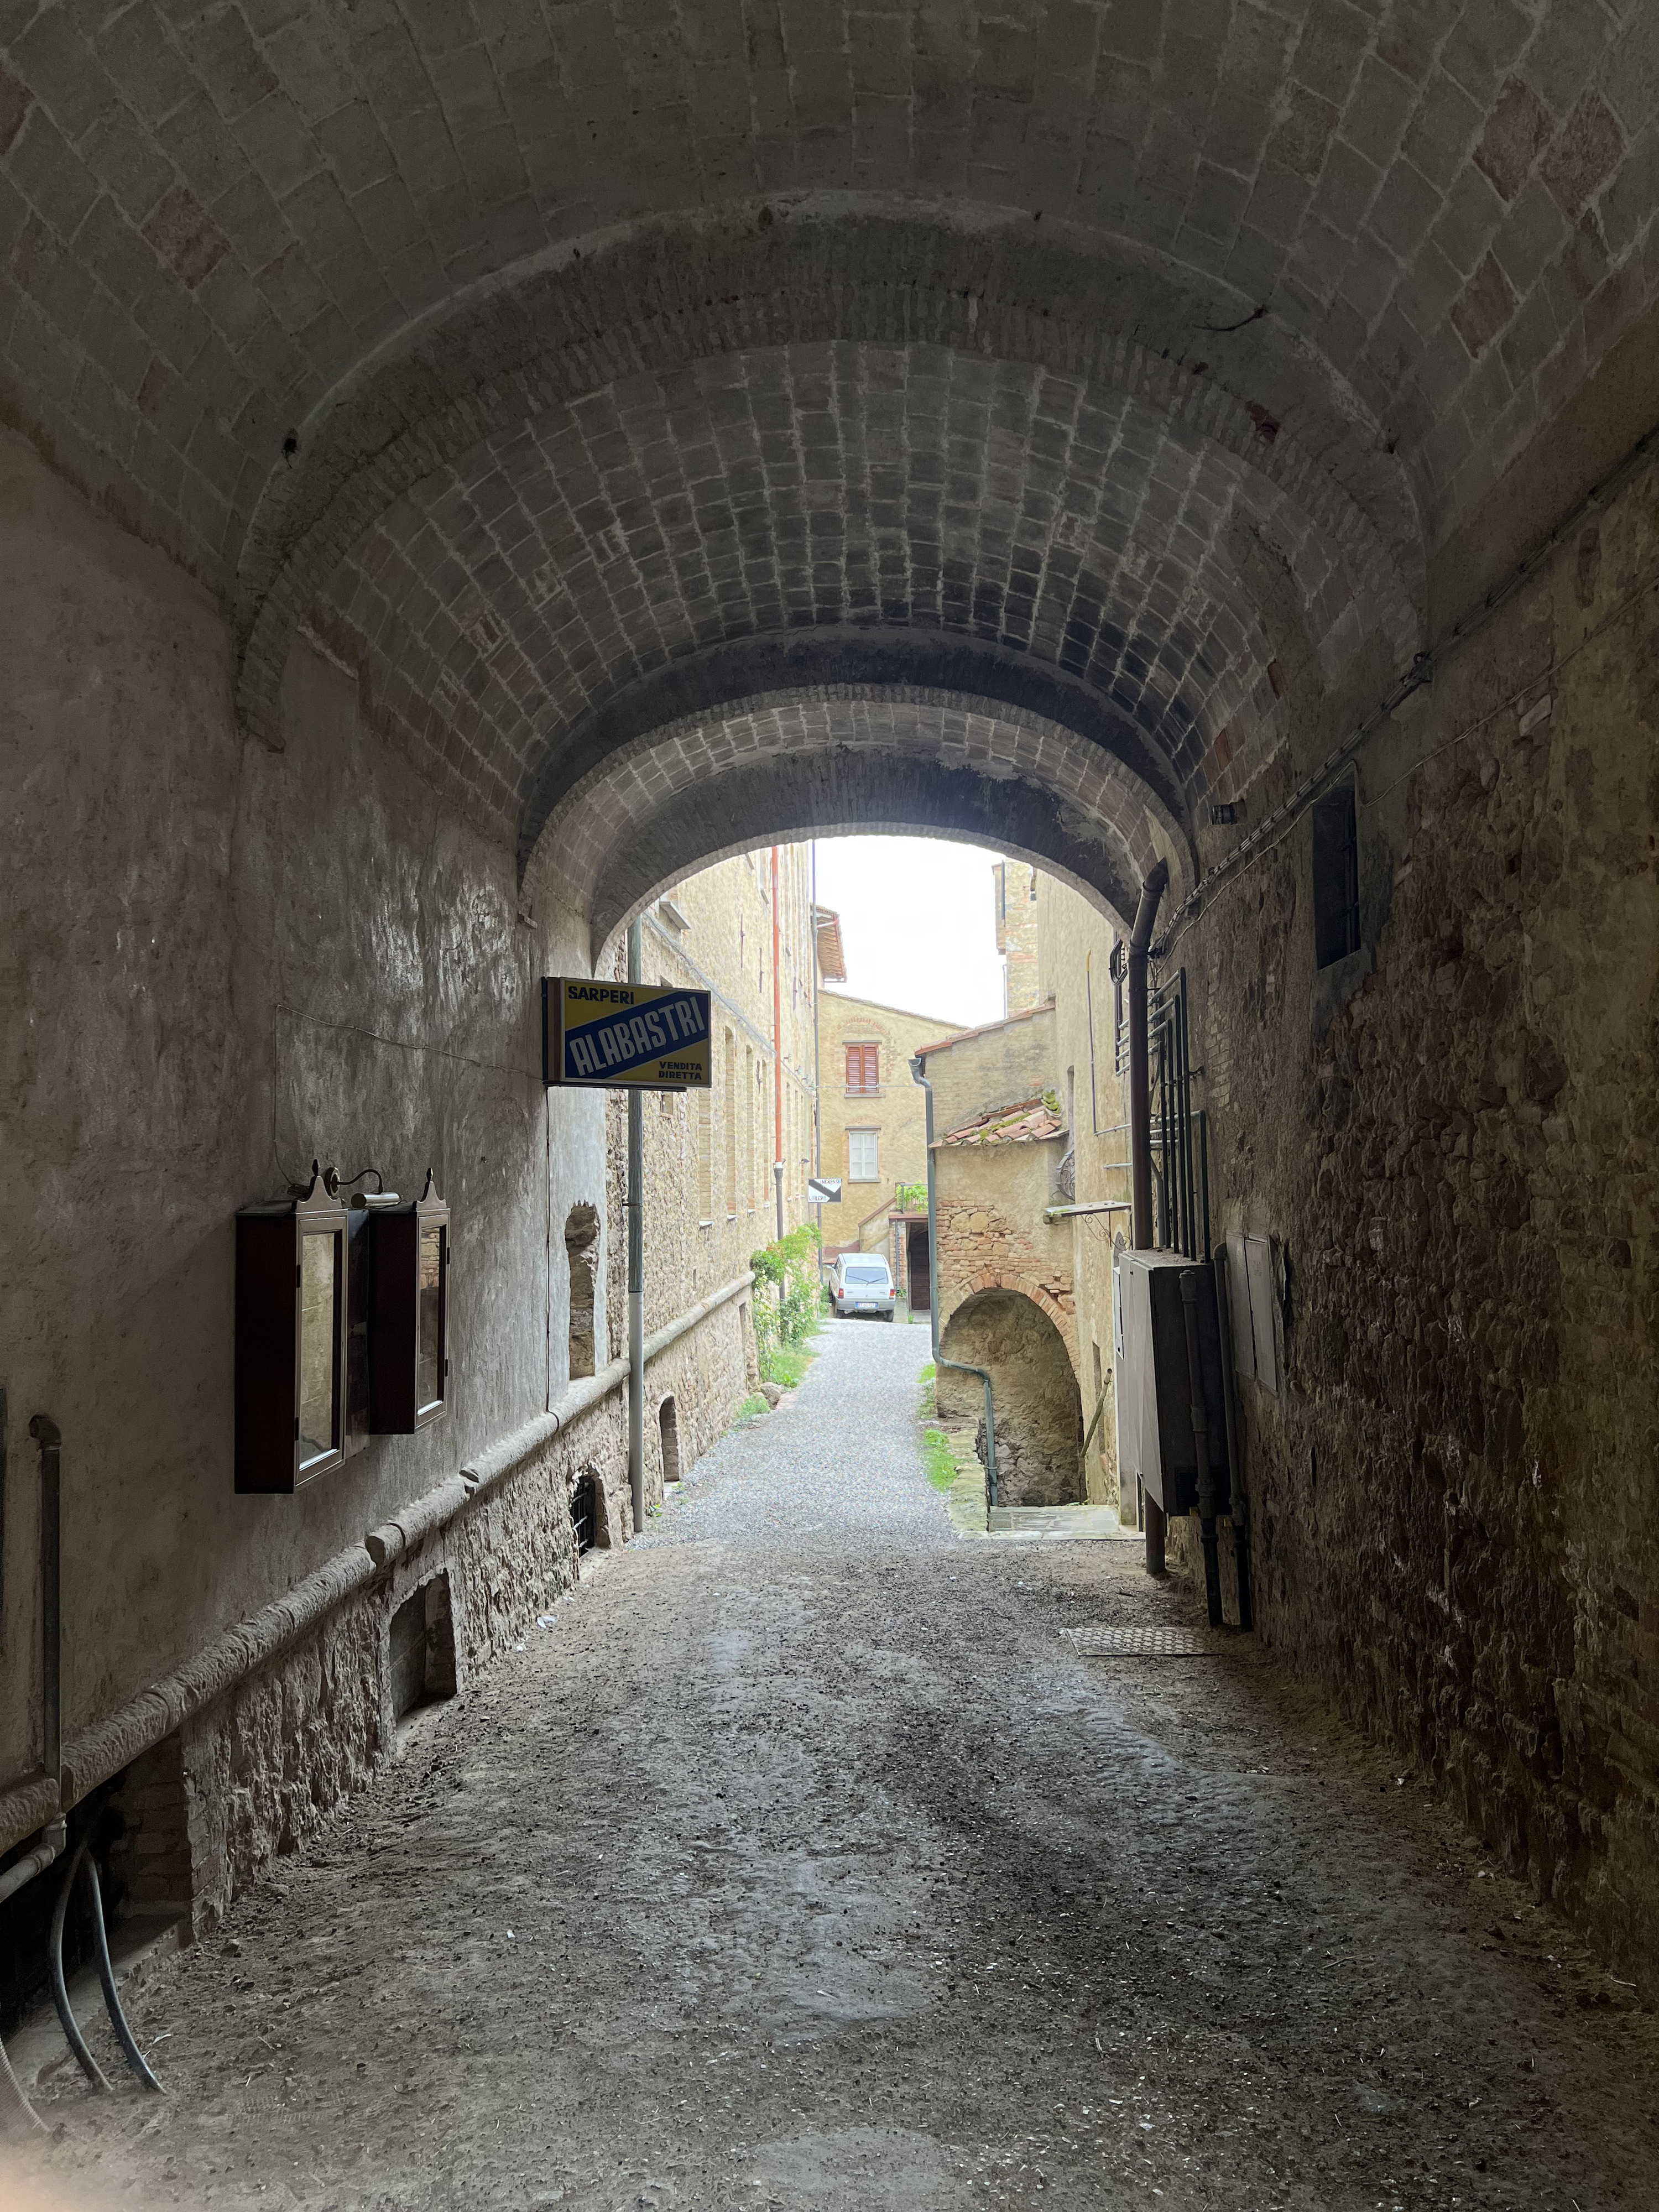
<point>1141,1132</point>
<point>47,1435</point>
<point>635,1273</point>
<point>777,1050</point>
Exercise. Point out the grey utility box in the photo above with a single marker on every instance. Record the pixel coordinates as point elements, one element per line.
<point>1155,1421</point>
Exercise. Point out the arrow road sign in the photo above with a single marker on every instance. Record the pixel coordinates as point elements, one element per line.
<point>823,1190</point>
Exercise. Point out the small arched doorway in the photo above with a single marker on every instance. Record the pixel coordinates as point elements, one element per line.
<point>1039,1411</point>
<point>581,1230</point>
<point>668,1431</point>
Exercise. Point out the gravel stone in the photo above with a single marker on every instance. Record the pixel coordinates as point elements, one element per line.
<point>802,1863</point>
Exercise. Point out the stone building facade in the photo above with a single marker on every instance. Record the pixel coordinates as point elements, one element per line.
<point>874,1119</point>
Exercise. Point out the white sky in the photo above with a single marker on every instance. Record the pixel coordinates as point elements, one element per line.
<point>918,924</point>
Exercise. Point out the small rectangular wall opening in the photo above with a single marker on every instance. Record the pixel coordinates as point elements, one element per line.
<point>590,1519</point>
<point>1335,878</point>
<point>422,1649</point>
<point>668,1427</point>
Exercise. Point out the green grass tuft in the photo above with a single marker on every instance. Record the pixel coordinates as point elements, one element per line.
<point>786,1363</point>
<point>936,1458</point>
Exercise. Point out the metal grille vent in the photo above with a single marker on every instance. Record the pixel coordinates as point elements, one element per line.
<point>1141,1643</point>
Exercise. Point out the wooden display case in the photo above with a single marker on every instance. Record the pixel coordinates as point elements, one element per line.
<point>409,1316</point>
<point>291,1311</point>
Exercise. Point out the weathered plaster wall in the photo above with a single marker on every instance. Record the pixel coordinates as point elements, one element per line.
<point>1454,1495</point>
<point>996,1066</point>
<point>229,960</point>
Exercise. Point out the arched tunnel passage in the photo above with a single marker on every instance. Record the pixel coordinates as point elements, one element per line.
<point>452,487</point>
<point>1038,1407</point>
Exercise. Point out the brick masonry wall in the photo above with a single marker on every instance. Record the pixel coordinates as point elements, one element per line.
<point>1017,935</point>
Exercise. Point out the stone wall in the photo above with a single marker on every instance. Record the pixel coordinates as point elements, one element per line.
<point>1034,1392</point>
<point>1452,1495</point>
<point>320,958</point>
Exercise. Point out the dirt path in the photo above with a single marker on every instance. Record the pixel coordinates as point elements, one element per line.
<point>803,1864</point>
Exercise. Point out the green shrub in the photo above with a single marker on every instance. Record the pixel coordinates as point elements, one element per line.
<point>910,1198</point>
<point>788,1302</point>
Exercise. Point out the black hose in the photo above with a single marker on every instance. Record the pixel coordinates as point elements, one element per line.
<point>72,2034</point>
<point>118,2019</point>
<point>66,2020</point>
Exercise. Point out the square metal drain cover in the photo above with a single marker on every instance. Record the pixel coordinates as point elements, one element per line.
<point>1141,1643</point>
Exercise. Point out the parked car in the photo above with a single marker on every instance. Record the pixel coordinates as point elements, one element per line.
<point>861,1283</point>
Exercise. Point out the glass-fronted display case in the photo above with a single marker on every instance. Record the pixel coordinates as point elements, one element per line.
<point>409,1314</point>
<point>291,1340</point>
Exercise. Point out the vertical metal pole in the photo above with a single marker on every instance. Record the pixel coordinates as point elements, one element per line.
<point>918,1075</point>
<point>44,1431</point>
<point>635,1274</point>
<point>1140,1134</point>
<point>1201,1420</point>
<point>777,1050</point>
<point>818,1113</point>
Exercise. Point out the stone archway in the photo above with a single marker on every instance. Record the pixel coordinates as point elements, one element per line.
<point>1038,1407</point>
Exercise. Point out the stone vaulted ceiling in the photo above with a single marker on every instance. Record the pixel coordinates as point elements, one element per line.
<point>640,398</point>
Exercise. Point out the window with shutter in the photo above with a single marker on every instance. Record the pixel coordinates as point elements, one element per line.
<point>863,1068</point>
<point>861,1160</point>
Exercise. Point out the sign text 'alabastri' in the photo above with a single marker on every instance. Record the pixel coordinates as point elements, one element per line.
<point>629,1036</point>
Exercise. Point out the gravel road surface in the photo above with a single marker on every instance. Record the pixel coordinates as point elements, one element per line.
<point>803,1863</point>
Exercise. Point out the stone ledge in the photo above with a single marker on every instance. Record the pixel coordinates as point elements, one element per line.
<point>111,1744</point>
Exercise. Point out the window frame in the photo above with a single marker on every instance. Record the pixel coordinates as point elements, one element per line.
<point>874,1136</point>
<point>868,1066</point>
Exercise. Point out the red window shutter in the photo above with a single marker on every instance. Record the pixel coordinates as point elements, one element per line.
<point>872,1067</point>
<point>863,1067</point>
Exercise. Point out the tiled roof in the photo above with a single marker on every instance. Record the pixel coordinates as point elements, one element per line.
<point>1027,1124</point>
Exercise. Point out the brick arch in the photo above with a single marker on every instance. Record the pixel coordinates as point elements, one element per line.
<point>1429,222</point>
<point>841,757</point>
<point>1038,1294</point>
<point>854,515</point>
<point>395,462</point>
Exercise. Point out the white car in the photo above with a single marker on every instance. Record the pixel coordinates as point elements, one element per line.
<point>861,1283</point>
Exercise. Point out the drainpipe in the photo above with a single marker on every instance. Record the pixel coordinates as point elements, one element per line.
<point>817,1089</point>
<point>1140,1127</point>
<point>54,1835</point>
<point>777,1053</point>
<point>635,1274</point>
<point>919,1074</point>
<point>46,1434</point>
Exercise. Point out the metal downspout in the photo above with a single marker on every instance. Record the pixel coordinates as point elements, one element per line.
<point>1140,1129</point>
<point>918,1068</point>
<point>635,1274</point>
<point>777,1052</point>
